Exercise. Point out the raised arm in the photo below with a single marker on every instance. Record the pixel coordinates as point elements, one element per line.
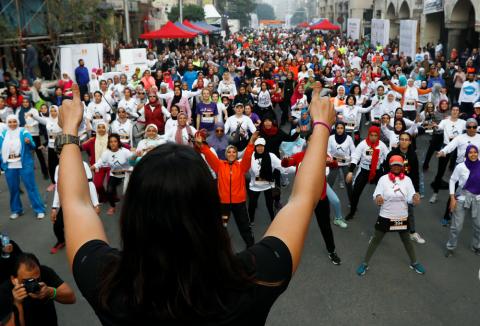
<point>81,222</point>
<point>292,222</point>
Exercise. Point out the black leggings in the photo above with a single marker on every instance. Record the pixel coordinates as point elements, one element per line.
<point>52,163</point>
<point>58,227</point>
<point>41,158</point>
<point>253,201</point>
<point>113,183</point>
<point>435,145</point>
<point>322,213</point>
<point>359,183</point>
<point>240,214</point>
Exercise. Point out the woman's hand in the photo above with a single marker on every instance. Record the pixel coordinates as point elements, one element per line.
<point>453,203</point>
<point>379,200</point>
<point>53,215</point>
<point>416,199</point>
<point>71,113</point>
<point>198,140</point>
<point>349,177</point>
<point>27,140</point>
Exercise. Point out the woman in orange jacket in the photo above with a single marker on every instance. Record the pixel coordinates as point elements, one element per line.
<point>231,183</point>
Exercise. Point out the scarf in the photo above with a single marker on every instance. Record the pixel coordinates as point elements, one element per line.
<point>21,116</point>
<point>472,184</point>
<point>176,99</point>
<point>270,132</point>
<point>11,143</point>
<point>219,144</point>
<point>340,138</point>
<point>376,152</point>
<point>304,122</point>
<point>179,133</point>
<point>404,126</point>
<point>101,142</point>
<point>296,95</point>
<point>265,165</point>
<point>393,176</point>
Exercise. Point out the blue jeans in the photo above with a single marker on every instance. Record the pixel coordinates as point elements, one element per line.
<point>13,181</point>
<point>335,202</point>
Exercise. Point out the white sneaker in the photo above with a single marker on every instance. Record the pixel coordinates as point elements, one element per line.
<point>417,238</point>
<point>14,216</point>
<point>433,199</point>
<point>341,223</point>
<point>40,216</point>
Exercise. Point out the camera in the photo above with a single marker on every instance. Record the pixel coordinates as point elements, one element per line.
<point>32,286</point>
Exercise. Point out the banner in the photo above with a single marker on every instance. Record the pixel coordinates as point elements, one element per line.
<point>408,37</point>
<point>353,28</point>
<point>380,31</point>
<point>91,53</point>
<point>432,6</point>
<point>133,56</point>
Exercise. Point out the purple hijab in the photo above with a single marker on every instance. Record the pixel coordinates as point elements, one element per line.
<point>473,181</point>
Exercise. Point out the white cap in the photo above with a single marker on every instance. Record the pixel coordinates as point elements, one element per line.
<point>476,105</point>
<point>260,141</point>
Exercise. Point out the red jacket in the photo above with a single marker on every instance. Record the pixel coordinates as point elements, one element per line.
<point>156,117</point>
<point>230,177</point>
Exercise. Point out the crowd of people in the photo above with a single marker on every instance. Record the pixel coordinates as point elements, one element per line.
<point>245,108</point>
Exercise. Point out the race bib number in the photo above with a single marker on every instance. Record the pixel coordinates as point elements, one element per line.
<point>369,152</point>
<point>398,224</point>
<point>350,126</point>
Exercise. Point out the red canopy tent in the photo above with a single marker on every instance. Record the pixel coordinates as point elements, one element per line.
<point>169,30</point>
<point>325,25</point>
<point>303,24</point>
<point>187,23</point>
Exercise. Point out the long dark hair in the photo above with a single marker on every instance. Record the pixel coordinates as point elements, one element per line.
<point>177,261</point>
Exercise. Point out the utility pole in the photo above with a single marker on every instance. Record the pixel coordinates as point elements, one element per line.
<point>127,20</point>
<point>180,6</point>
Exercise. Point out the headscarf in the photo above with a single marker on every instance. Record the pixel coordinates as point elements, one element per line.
<point>304,122</point>
<point>472,184</point>
<point>11,143</point>
<point>176,98</point>
<point>376,151</point>
<point>219,144</point>
<point>402,80</point>
<point>404,126</point>
<point>178,134</point>
<point>21,115</point>
<point>340,138</point>
<point>265,165</point>
<point>153,126</point>
<point>101,142</point>
<point>271,131</point>
<point>296,95</point>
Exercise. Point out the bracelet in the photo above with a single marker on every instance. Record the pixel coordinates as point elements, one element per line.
<point>322,124</point>
<point>54,294</point>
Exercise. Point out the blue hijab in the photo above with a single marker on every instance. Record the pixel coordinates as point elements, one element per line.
<point>473,181</point>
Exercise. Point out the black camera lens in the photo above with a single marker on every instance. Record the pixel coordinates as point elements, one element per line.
<point>31,286</point>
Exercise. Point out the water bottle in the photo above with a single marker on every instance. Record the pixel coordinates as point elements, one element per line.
<point>5,242</point>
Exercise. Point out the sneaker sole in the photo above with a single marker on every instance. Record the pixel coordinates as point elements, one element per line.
<point>364,272</point>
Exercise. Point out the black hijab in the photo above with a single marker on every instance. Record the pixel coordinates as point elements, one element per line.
<point>340,138</point>
<point>265,166</point>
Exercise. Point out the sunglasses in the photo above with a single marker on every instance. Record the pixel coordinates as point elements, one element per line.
<point>140,93</point>
<point>471,127</point>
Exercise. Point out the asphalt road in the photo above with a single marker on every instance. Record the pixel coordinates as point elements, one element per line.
<point>321,293</point>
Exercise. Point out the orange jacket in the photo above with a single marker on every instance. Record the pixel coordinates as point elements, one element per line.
<point>230,177</point>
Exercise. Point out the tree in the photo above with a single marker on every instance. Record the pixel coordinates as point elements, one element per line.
<point>190,12</point>
<point>238,9</point>
<point>265,11</point>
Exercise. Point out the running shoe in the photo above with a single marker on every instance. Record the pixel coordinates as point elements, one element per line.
<point>445,222</point>
<point>57,247</point>
<point>417,267</point>
<point>476,251</point>
<point>362,269</point>
<point>340,222</point>
<point>40,216</point>
<point>14,216</point>
<point>350,216</point>
<point>448,253</point>
<point>334,258</point>
<point>417,238</point>
<point>433,199</point>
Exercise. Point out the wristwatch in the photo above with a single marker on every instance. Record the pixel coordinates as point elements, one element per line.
<point>65,139</point>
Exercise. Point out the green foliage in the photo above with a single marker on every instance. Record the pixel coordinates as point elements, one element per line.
<point>190,12</point>
<point>237,9</point>
<point>265,11</point>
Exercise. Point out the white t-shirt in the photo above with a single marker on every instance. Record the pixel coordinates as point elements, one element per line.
<point>341,152</point>
<point>396,195</point>
<point>246,124</point>
<point>118,161</point>
<point>451,129</point>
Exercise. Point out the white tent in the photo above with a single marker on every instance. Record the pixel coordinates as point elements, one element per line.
<point>211,13</point>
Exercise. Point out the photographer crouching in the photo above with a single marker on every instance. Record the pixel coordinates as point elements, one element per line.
<point>32,290</point>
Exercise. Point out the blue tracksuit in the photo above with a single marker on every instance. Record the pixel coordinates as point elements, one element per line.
<point>26,173</point>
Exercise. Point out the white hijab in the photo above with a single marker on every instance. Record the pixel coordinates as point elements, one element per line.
<point>12,143</point>
<point>101,142</point>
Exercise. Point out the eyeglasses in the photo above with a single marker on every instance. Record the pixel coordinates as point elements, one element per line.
<point>471,127</point>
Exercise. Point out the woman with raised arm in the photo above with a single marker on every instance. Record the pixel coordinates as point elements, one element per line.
<point>198,280</point>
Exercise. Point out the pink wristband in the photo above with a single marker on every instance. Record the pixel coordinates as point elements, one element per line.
<point>323,124</point>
